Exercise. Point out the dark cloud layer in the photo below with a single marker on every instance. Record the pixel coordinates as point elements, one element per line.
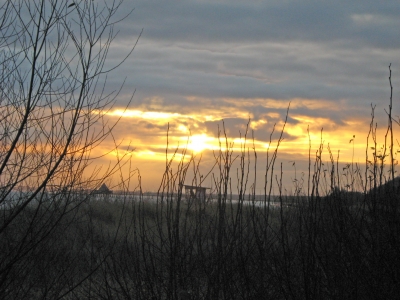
<point>253,21</point>
<point>333,50</point>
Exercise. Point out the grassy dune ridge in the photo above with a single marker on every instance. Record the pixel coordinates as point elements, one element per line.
<point>344,246</point>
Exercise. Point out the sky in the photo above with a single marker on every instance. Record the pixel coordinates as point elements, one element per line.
<point>197,63</point>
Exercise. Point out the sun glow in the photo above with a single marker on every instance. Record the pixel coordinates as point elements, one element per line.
<point>200,142</point>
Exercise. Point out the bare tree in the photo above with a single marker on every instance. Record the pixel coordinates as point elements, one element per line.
<point>53,105</point>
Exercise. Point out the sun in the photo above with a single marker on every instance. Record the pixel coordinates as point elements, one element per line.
<point>199,142</point>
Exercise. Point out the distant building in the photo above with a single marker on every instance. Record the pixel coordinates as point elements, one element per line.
<point>103,190</point>
<point>195,192</point>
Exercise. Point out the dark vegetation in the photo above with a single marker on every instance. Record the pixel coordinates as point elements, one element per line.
<point>336,237</point>
<point>333,247</point>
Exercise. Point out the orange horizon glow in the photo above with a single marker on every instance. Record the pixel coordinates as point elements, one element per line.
<point>189,135</point>
<point>302,134</point>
